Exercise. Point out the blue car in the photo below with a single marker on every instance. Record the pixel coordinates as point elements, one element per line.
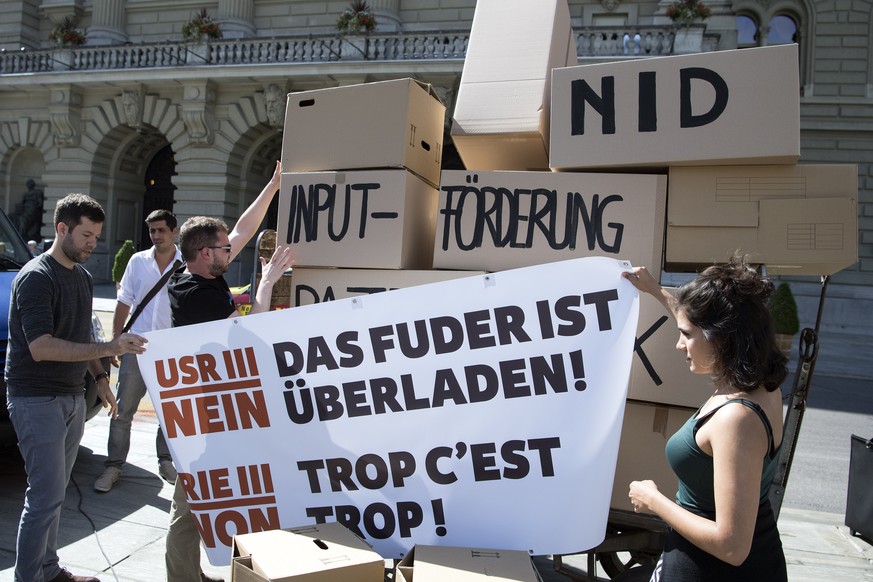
<point>13,255</point>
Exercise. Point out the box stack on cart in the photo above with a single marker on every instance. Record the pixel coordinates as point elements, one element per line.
<point>672,163</point>
<point>724,127</point>
<point>358,198</point>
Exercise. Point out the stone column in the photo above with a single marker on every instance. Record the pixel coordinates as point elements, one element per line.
<point>107,23</point>
<point>387,14</point>
<point>236,17</point>
<point>56,10</point>
<point>723,22</point>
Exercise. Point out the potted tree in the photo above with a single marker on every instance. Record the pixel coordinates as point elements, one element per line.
<point>688,36</point>
<point>65,33</point>
<point>354,24</point>
<point>786,324</point>
<point>122,257</point>
<point>66,36</point>
<point>201,27</point>
<point>198,31</point>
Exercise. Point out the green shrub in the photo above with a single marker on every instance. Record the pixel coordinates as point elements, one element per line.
<point>121,259</point>
<point>783,308</point>
<point>200,24</point>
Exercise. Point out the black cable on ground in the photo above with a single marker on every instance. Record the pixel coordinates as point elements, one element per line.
<point>93,527</point>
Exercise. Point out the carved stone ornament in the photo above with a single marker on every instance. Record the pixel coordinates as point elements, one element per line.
<point>64,114</point>
<point>131,107</point>
<point>274,102</point>
<point>196,109</point>
<point>610,5</point>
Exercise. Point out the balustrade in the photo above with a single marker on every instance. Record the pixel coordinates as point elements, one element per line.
<point>591,43</point>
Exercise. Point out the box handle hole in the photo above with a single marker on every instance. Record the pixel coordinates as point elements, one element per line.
<point>320,544</point>
<point>306,103</point>
<point>425,146</point>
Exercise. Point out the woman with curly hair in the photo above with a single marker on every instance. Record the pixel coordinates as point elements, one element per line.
<point>721,525</point>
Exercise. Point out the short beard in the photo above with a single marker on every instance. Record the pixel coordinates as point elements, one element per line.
<point>217,270</point>
<point>70,250</point>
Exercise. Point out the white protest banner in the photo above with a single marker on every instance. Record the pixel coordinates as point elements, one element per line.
<point>478,412</point>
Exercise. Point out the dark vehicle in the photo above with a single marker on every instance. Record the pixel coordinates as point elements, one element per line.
<point>13,255</point>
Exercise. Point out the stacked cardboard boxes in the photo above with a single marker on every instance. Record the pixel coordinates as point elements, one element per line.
<point>722,127</point>
<point>731,120</point>
<point>358,199</point>
<point>726,127</point>
<point>799,219</point>
<point>493,220</point>
<point>671,162</point>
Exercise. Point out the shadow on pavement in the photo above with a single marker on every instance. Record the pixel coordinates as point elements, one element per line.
<point>84,510</point>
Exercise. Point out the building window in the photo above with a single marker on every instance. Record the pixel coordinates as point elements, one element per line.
<point>747,31</point>
<point>783,30</point>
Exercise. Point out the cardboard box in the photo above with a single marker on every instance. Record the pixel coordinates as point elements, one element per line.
<point>501,117</point>
<point>722,107</point>
<point>313,285</point>
<point>644,434</point>
<point>812,236</point>
<point>659,372</point>
<point>693,248</point>
<point>445,563</point>
<point>729,195</point>
<point>491,221</point>
<point>379,219</point>
<point>815,236</point>
<point>315,553</point>
<point>387,124</point>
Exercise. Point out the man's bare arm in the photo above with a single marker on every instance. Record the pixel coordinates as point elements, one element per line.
<point>50,348</point>
<point>251,219</point>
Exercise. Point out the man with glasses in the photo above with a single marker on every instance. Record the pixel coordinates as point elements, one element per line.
<point>200,294</point>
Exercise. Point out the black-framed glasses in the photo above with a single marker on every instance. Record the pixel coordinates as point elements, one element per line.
<point>225,248</point>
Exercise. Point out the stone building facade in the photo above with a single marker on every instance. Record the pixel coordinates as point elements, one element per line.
<point>140,119</point>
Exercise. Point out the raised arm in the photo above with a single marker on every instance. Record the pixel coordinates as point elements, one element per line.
<point>247,225</point>
<point>646,283</point>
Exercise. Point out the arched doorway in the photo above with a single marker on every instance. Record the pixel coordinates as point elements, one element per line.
<point>159,188</point>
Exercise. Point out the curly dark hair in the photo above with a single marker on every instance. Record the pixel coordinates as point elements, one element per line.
<point>728,302</point>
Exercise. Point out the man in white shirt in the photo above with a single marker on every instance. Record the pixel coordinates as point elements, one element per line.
<point>143,271</point>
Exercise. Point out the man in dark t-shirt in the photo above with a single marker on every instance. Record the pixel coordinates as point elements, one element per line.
<point>50,349</point>
<point>198,294</point>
